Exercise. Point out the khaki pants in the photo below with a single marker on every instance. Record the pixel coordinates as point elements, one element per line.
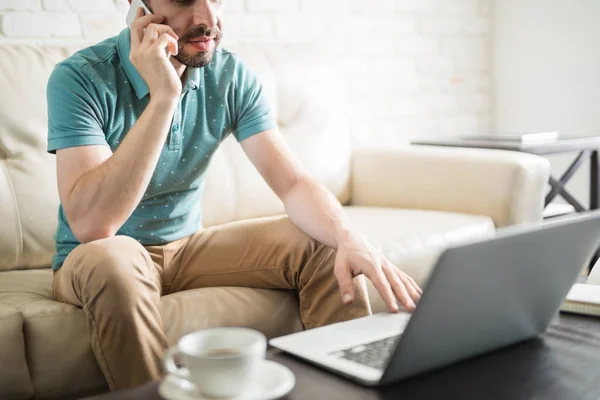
<point>118,282</point>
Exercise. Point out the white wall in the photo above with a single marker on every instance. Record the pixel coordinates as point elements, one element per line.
<point>413,67</point>
<point>546,62</point>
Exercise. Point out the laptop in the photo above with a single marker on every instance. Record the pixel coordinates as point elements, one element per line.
<point>480,296</point>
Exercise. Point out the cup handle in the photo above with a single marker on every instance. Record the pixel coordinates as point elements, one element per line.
<point>169,364</point>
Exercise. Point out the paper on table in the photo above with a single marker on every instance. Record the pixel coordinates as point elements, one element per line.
<point>583,299</point>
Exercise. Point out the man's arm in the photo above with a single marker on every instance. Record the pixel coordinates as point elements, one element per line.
<point>100,190</point>
<point>318,213</point>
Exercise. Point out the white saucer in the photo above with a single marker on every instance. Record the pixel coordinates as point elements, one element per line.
<point>274,381</point>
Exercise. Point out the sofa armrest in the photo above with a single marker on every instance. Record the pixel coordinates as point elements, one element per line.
<point>507,186</point>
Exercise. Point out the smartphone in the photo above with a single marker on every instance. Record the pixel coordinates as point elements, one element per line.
<point>135,4</point>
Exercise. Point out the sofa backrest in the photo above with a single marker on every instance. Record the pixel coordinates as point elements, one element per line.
<point>309,105</point>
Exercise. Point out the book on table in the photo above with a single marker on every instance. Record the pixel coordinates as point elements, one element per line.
<point>583,298</point>
<point>524,138</point>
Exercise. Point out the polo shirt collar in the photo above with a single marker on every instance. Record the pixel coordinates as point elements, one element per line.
<point>192,79</point>
<point>141,88</point>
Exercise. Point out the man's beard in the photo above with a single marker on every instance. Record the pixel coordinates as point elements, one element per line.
<point>202,58</point>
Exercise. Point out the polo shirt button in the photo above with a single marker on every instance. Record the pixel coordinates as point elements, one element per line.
<point>176,127</point>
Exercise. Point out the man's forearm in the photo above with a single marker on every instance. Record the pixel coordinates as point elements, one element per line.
<point>317,212</point>
<point>106,196</point>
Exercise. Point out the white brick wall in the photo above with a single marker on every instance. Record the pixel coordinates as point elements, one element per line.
<point>413,67</point>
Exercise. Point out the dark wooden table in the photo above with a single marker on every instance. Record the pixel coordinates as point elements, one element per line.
<point>562,364</point>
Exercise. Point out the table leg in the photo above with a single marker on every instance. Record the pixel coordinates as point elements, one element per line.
<point>557,187</point>
<point>594,176</point>
<point>594,196</point>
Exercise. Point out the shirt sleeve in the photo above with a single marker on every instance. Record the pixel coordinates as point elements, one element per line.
<point>75,117</point>
<point>252,110</point>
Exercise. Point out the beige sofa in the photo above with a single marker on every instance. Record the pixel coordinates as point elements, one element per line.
<point>411,201</point>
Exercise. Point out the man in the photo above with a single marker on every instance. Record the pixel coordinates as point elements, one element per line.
<point>134,121</point>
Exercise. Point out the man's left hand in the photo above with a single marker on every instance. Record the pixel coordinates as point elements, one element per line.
<point>356,256</point>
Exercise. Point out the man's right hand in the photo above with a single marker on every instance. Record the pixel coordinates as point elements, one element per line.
<point>152,43</point>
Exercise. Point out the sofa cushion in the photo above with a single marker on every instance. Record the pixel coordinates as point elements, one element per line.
<point>14,375</point>
<point>414,239</point>
<point>28,194</point>
<point>56,333</point>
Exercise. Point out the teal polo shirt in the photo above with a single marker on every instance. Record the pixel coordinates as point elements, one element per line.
<point>96,96</point>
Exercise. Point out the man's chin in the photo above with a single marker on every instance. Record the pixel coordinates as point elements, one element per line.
<point>195,58</point>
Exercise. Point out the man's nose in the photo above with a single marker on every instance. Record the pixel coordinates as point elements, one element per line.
<point>205,12</point>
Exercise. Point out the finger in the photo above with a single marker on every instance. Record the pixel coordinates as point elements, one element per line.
<point>166,42</point>
<point>404,277</point>
<point>383,287</point>
<point>345,280</point>
<point>408,279</point>
<point>140,23</point>
<point>151,34</point>
<point>153,31</point>
<point>409,284</point>
<point>162,28</point>
<point>139,13</point>
<point>416,285</point>
<point>399,289</point>
<point>410,288</point>
<point>173,47</point>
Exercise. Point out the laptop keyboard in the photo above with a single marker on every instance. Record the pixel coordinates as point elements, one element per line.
<point>374,354</point>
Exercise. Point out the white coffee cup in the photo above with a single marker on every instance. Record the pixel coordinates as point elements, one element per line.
<point>220,362</point>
